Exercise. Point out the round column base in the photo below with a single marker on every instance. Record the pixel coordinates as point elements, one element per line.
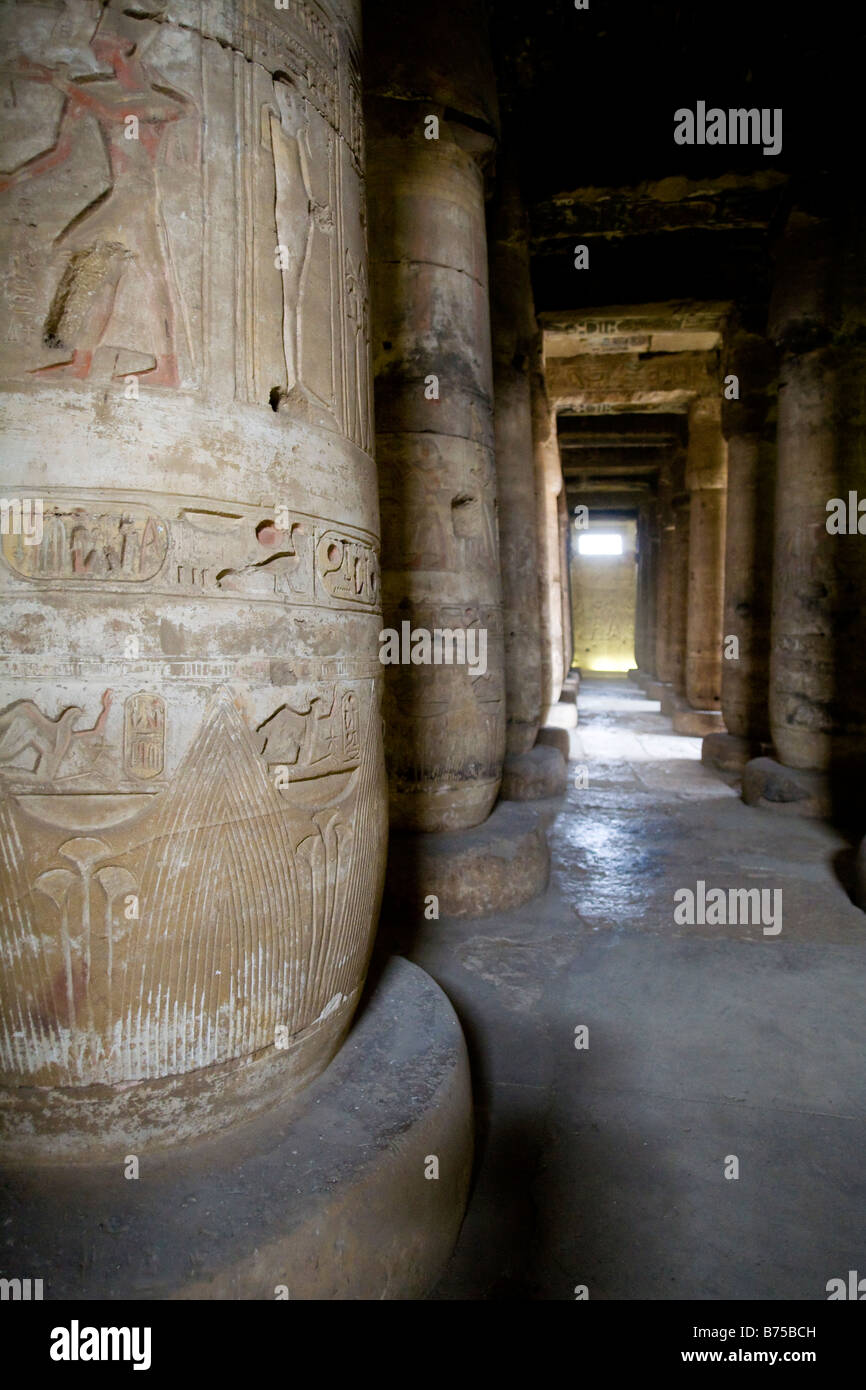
<point>323,1197</point>
<point>535,775</point>
<point>496,866</point>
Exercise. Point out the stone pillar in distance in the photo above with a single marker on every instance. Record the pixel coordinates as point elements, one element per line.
<point>514,334</point>
<point>665,575</point>
<point>548,484</point>
<point>679,607</point>
<point>705,480</point>
<point>748,423</point>
<point>565,581</point>
<point>445,723</point>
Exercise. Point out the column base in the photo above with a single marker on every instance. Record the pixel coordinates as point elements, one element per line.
<point>549,737</point>
<point>729,753</point>
<point>670,701</point>
<point>656,689</point>
<point>496,866</point>
<point>325,1195</point>
<point>561,716</point>
<point>792,791</point>
<point>535,775</point>
<point>444,806</point>
<point>696,722</point>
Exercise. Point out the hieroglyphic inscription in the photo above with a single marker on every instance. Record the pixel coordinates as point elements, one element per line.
<point>92,541</point>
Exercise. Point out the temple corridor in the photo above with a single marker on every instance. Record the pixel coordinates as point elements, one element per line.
<point>605,1166</point>
<point>432,656</point>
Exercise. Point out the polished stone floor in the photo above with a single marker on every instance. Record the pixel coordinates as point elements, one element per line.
<point>605,1166</point>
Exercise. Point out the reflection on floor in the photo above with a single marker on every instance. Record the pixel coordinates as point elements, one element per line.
<point>605,1167</point>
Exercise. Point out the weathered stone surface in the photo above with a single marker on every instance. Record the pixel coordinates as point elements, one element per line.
<point>705,480</point>
<point>564,585</point>
<point>445,725</point>
<point>668,380</point>
<point>669,701</point>
<point>192,791</point>
<point>679,608</point>
<point>514,334</point>
<point>542,772</point>
<point>817,667</point>
<point>696,722</point>
<point>749,427</point>
<point>729,753</point>
<point>790,791</point>
<point>647,588</point>
<point>548,485</point>
<point>324,1195</point>
<point>655,690</point>
<point>554,738</point>
<point>489,868</point>
<point>665,574</point>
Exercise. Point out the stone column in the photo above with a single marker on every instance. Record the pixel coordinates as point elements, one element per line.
<point>665,580</point>
<point>647,592</point>
<point>548,485</point>
<point>748,423</point>
<point>640,615</point>
<point>679,608</point>
<point>818,658</point>
<point>445,723</point>
<point>514,334</point>
<point>192,785</point>
<point>565,582</point>
<point>705,480</point>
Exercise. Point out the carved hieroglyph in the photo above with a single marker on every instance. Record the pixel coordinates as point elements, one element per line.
<point>192,789</point>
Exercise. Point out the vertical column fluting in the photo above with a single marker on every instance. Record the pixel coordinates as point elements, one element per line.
<point>445,720</point>
<point>705,480</point>
<point>515,331</point>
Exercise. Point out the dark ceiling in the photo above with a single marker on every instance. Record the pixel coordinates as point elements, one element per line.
<point>587,102</point>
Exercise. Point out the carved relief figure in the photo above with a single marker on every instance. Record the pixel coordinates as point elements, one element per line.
<point>298,217</point>
<point>315,735</point>
<point>23,728</point>
<point>358,351</point>
<point>117,245</point>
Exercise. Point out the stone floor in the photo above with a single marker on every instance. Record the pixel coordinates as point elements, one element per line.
<point>605,1167</point>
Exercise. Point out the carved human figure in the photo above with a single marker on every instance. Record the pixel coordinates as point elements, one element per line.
<point>297,214</point>
<point>24,727</point>
<point>122,234</point>
<point>357,313</point>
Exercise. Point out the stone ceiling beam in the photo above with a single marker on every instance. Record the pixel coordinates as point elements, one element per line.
<point>615,382</point>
